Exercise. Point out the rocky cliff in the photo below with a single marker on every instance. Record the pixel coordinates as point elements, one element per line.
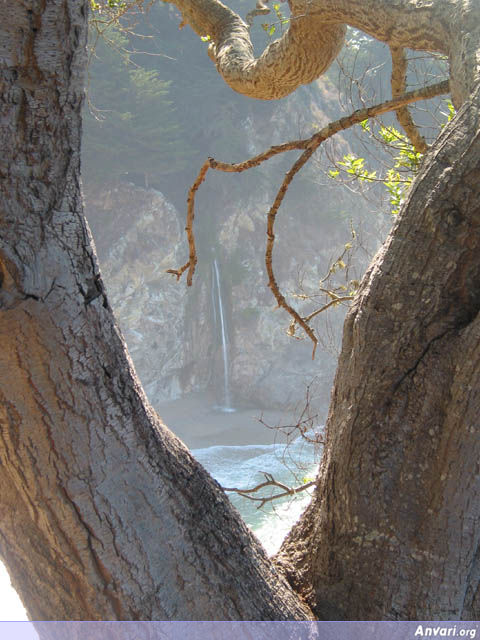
<point>179,338</point>
<point>137,235</point>
<point>173,332</point>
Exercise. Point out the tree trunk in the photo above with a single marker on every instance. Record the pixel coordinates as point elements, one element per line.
<point>394,530</point>
<point>104,514</point>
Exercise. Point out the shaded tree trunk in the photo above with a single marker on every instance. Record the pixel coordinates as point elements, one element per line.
<point>394,529</point>
<point>104,514</point>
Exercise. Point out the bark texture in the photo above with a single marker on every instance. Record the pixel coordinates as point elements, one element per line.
<point>306,50</point>
<point>316,34</point>
<point>394,529</point>
<point>104,514</point>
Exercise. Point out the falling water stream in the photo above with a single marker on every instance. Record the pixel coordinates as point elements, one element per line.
<point>218,306</point>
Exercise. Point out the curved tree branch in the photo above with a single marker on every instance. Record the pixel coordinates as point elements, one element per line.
<point>269,482</point>
<point>305,51</point>
<point>309,146</point>
<point>399,84</point>
<point>313,40</point>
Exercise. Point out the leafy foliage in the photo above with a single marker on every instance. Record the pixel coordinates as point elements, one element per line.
<point>396,179</point>
<point>107,4</point>
<point>282,20</point>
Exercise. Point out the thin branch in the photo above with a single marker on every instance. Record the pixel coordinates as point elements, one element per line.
<point>326,306</point>
<point>340,258</point>
<point>261,9</point>
<point>269,482</point>
<point>304,424</point>
<point>309,146</point>
<point>399,84</point>
<point>192,259</point>
<point>272,283</point>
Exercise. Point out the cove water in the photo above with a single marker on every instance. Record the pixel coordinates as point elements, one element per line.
<point>242,467</point>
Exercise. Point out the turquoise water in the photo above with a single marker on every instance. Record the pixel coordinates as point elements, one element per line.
<point>243,467</point>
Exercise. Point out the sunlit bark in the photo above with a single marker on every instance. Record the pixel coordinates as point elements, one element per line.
<point>103,512</point>
<point>316,34</point>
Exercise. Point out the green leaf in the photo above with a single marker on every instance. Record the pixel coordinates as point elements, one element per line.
<point>451,110</point>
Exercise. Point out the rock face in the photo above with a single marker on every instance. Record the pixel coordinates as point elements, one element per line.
<point>174,333</point>
<point>138,236</point>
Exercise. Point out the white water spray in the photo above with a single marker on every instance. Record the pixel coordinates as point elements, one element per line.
<point>218,304</point>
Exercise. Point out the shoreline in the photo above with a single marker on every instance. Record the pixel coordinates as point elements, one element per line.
<point>196,421</point>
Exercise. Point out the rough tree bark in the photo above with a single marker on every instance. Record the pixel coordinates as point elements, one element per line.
<point>394,528</point>
<point>104,513</point>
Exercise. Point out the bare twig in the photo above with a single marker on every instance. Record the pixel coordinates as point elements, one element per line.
<point>192,259</point>
<point>272,283</point>
<point>335,263</point>
<point>303,427</point>
<point>269,482</point>
<point>326,306</point>
<point>309,146</point>
<point>399,84</point>
<point>303,424</point>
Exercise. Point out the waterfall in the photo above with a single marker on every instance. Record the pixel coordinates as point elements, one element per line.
<point>218,311</point>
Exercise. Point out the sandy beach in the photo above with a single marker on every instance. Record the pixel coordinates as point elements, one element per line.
<point>194,420</point>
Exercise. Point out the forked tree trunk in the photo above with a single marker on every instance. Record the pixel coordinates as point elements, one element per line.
<point>103,512</point>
